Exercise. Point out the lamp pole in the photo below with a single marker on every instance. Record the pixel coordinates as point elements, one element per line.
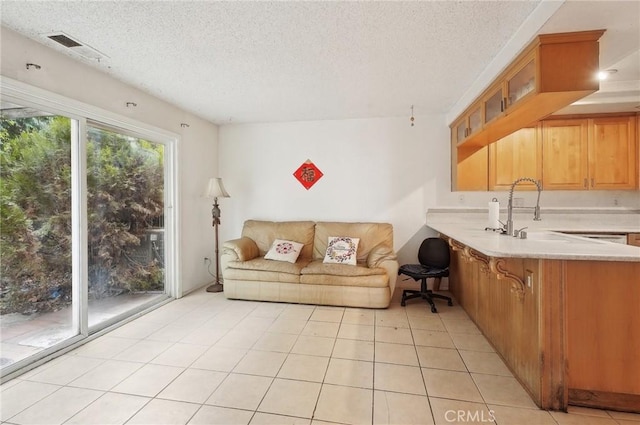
<point>215,214</point>
<point>215,190</point>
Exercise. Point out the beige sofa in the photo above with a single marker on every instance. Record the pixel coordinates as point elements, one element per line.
<point>370,283</point>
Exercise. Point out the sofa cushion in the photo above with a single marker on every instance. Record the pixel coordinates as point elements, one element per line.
<point>260,276</point>
<point>261,264</point>
<point>265,232</point>
<point>370,235</point>
<point>341,250</point>
<point>317,267</point>
<point>371,281</point>
<point>282,250</point>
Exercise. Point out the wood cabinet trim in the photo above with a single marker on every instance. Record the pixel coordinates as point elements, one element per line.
<point>498,267</point>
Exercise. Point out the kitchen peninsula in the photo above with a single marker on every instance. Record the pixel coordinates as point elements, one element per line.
<point>560,309</point>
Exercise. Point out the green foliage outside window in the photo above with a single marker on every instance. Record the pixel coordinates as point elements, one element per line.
<point>124,199</point>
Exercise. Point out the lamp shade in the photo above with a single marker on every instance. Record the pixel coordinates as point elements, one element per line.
<point>215,189</point>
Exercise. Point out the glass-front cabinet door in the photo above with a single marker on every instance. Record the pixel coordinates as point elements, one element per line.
<point>461,130</point>
<point>475,121</point>
<point>493,105</point>
<point>468,125</point>
<point>522,83</point>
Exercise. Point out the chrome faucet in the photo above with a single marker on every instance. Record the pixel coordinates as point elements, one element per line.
<point>536,210</point>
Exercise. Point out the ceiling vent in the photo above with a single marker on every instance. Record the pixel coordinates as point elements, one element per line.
<point>76,46</point>
<point>65,40</point>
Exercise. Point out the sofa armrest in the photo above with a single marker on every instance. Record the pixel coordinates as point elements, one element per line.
<point>243,249</point>
<point>383,256</point>
<point>380,253</point>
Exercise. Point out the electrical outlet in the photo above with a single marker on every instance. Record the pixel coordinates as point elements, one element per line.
<point>615,202</point>
<point>461,198</point>
<point>528,278</point>
<point>518,202</point>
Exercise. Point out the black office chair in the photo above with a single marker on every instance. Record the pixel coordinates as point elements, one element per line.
<point>433,256</point>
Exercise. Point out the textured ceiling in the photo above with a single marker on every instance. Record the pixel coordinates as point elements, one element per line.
<point>285,61</point>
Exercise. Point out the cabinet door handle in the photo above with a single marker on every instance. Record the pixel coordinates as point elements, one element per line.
<point>585,183</point>
<point>501,105</point>
<point>592,185</point>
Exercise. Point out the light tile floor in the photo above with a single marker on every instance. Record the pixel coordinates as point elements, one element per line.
<point>204,359</point>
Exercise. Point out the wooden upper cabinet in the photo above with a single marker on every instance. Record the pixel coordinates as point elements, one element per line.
<point>517,155</point>
<point>472,172</point>
<point>613,158</point>
<point>577,153</point>
<point>565,154</point>
<point>595,153</point>
<point>552,72</point>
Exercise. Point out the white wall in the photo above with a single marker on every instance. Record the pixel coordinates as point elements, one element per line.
<point>374,170</point>
<point>197,145</point>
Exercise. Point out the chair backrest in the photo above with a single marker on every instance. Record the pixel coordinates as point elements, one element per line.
<point>434,252</point>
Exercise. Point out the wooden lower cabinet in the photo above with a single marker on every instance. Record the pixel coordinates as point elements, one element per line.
<point>568,330</point>
<point>505,311</point>
<point>603,334</point>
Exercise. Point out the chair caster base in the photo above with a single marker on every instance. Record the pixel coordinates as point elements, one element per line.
<point>433,309</point>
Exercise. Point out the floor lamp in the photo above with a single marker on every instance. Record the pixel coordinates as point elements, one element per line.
<point>216,190</point>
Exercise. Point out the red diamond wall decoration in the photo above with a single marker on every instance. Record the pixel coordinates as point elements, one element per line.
<point>308,174</point>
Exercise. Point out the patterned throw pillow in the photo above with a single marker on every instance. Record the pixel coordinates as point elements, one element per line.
<point>341,250</point>
<point>282,250</point>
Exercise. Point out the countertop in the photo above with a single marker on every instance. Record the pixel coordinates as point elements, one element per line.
<point>467,227</point>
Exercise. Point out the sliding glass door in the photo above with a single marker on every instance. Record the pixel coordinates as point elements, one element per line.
<point>85,238</point>
<point>36,272</point>
<point>125,203</point>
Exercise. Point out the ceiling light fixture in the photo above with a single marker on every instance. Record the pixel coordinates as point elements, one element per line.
<point>603,75</point>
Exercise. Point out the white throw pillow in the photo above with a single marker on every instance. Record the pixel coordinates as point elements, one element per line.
<point>282,250</point>
<point>341,250</point>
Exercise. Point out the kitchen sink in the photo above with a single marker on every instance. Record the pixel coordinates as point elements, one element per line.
<point>548,237</point>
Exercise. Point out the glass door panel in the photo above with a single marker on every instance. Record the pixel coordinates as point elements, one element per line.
<point>522,83</point>
<point>493,106</point>
<point>461,131</point>
<point>475,121</point>
<point>36,286</point>
<point>125,203</point>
